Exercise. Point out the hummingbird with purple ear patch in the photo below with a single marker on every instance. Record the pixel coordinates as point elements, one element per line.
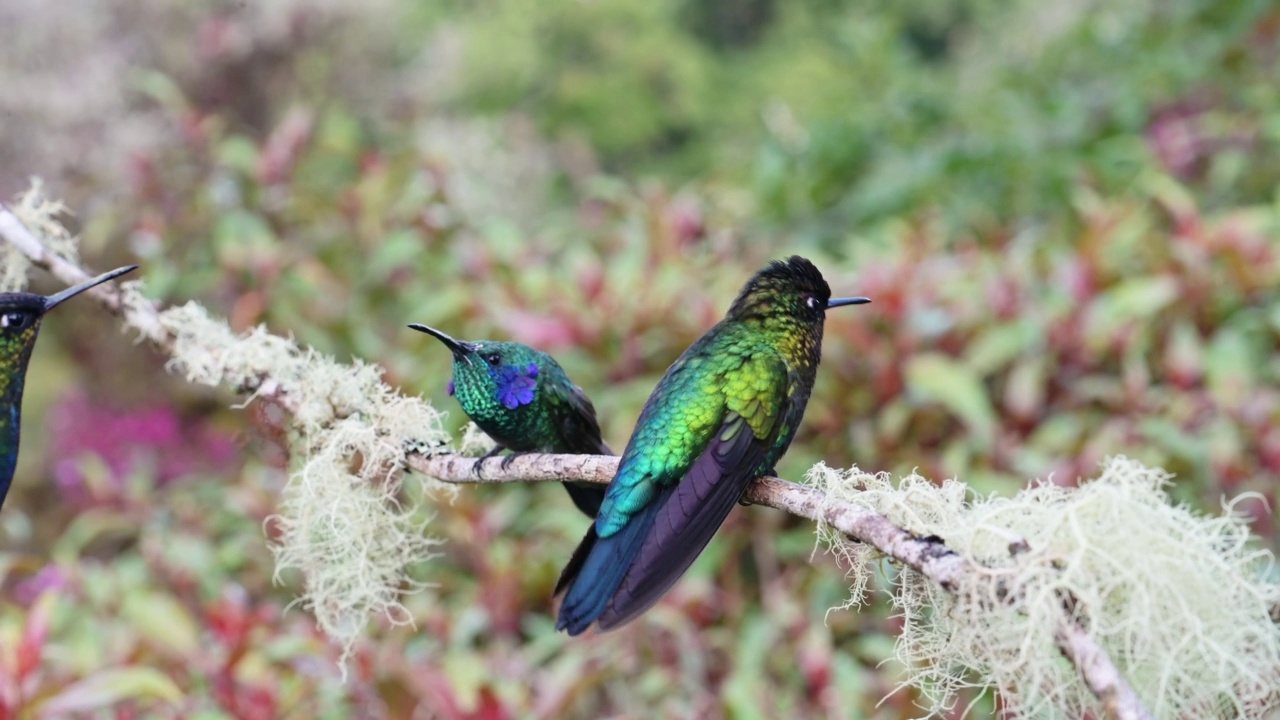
<point>524,400</point>
<point>722,415</point>
<point>20,316</point>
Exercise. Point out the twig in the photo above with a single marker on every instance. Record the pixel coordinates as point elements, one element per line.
<point>928,556</point>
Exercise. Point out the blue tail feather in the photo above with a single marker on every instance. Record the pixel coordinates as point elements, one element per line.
<point>599,565</point>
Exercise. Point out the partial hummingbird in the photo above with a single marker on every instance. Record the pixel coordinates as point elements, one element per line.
<point>722,415</point>
<point>20,316</point>
<point>523,399</point>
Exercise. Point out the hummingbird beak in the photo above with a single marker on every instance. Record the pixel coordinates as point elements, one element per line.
<point>841,302</point>
<point>54,300</point>
<point>461,350</point>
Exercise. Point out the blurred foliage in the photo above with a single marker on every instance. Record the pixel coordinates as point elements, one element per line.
<point>850,113</point>
<point>1066,215</point>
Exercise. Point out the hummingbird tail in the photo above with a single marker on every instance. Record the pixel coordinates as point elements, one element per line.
<point>598,566</point>
<point>588,497</point>
<point>685,522</point>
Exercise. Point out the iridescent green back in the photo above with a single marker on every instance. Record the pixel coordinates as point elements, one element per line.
<point>737,369</point>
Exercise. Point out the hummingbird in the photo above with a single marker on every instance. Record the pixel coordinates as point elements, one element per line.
<point>722,415</point>
<point>20,316</point>
<point>524,400</point>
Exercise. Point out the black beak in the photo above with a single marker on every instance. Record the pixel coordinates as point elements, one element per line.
<point>54,300</point>
<point>841,302</point>
<point>461,349</point>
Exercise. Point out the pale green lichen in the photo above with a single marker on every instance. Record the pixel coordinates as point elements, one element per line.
<point>350,536</point>
<point>341,520</point>
<point>1180,600</point>
<point>39,214</point>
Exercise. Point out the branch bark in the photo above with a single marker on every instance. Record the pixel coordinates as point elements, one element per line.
<point>928,556</point>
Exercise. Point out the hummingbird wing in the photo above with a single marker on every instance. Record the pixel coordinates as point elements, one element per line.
<point>685,522</point>
<point>648,544</point>
<point>576,420</point>
<point>579,431</point>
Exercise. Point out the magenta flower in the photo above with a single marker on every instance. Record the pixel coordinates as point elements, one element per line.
<point>125,440</point>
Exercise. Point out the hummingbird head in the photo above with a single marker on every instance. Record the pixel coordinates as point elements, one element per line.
<point>790,290</point>
<point>489,376</point>
<point>20,316</point>
<point>21,313</point>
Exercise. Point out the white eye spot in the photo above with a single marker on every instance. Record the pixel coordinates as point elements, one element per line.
<point>14,320</point>
<point>812,302</point>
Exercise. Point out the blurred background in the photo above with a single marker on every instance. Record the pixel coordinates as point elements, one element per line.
<point>1066,213</point>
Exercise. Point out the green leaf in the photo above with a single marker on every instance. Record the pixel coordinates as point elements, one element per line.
<point>88,527</point>
<point>1229,365</point>
<point>399,249</point>
<point>106,688</point>
<point>1025,389</point>
<point>741,693</point>
<point>161,88</point>
<point>240,153</point>
<point>937,378</point>
<point>1174,439</point>
<point>163,621</point>
<point>467,674</point>
<point>1060,433</point>
<point>1000,344</point>
<point>243,239</point>
<point>1129,301</point>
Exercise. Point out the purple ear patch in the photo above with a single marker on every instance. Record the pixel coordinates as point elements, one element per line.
<point>518,392</point>
<point>449,388</point>
<point>515,385</point>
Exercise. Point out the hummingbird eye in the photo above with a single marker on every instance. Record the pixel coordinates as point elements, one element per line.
<point>811,301</point>
<point>15,320</point>
<point>493,358</point>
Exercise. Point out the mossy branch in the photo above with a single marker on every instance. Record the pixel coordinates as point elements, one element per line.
<point>929,557</point>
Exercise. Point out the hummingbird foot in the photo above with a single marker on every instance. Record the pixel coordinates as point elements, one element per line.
<point>506,461</point>
<point>476,469</point>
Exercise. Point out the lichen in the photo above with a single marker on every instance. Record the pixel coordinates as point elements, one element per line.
<point>40,215</point>
<point>342,522</point>
<point>1180,600</point>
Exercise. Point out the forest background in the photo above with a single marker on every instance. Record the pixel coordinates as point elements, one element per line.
<point>1066,214</point>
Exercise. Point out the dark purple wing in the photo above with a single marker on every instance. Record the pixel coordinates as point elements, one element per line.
<point>687,519</point>
<point>576,422</point>
<point>579,433</point>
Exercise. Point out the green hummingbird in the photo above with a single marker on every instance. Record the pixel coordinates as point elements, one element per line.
<point>722,415</point>
<point>524,400</point>
<point>20,316</point>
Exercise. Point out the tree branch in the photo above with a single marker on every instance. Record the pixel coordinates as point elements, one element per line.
<point>928,556</point>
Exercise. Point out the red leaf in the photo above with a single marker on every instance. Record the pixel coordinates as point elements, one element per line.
<point>31,647</point>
